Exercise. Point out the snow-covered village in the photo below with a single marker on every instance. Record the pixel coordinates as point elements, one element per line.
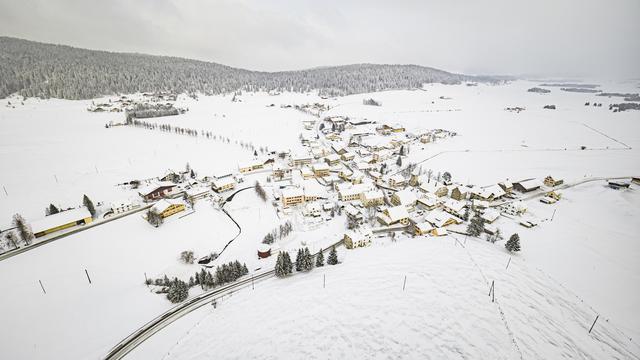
<point>156,207</point>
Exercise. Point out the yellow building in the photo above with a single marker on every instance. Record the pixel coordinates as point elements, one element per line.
<point>321,170</point>
<point>167,207</point>
<point>60,221</point>
<point>223,184</point>
<point>292,196</point>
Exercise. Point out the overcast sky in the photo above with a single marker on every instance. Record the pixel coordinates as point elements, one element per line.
<point>592,38</point>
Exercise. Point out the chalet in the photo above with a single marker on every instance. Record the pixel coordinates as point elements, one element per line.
<point>338,149</point>
<point>394,215</point>
<point>422,228</point>
<point>489,193</point>
<point>404,197</point>
<point>373,198</point>
<point>281,172</point>
<point>479,204</point>
<point>357,238</point>
<point>332,160</point>
<point>223,184</point>
<point>354,214</point>
<point>396,180</point>
<point>433,187</point>
<point>439,232</point>
<point>526,186</point>
<point>428,202</point>
<point>382,155</point>
<point>345,174</point>
<point>60,221</point>
<point>167,207</point>
<point>551,182</point>
<point>264,251</point>
<point>157,190</point>
<point>313,210</point>
<point>321,170</point>
<point>454,207</point>
<point>439,218</point>
<point>307,173</point>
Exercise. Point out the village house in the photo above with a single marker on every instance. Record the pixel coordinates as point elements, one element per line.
<point>281,172</point>
<point>526,186</point>
<point>353,192</point>
<point>394,215</point>
<point>422,228</point>
<point>354,214</point>
<point>551,182</point>
<point>155,191</point>
<point>396,180</point>
<point>319,152</point>
<point>299,160</point>
<point>292,196</point>
<point>373,198</point>
<point>348,156</point>
<point>313,210</point>
<point>332,159</point>
<point>61,221</point>
<point>345,174</point>
<point>307,173</point>
<point>404,197</point>
<point>439,219</point>
<point>428,202</point>
<point>357,238</point>
<point>223,184</point>
<point>490,215</point>
<point>435,188</point>
<point>357,177</point>
<point>375,175</point>
<point>490,193</point>
<point>506,186</point>
<point>363,166</point>
<point>439,232</point>
<point>478,204</point>
<point>250,166</point>
<point>171,176</point>
<point>339,149</point>
<point>454,207</point>
<point>459,192</point>
<point>382,155</point>
<point>167,207</point>
<point>321,170</point>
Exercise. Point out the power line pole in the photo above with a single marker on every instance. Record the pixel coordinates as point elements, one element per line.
<point>42,286</point>
<point>404,284</point>
<point>88,278</point>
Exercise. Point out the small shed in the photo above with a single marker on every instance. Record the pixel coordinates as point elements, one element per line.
<point>264,251</point>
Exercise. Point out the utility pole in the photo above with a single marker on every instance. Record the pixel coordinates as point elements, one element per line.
<point>42,286</point>
<point>88,278</point>
<point>404,284</point>
<point>509,262</point>
<point>594,324</point>
<point>324,280</point>
<point>554,214</point>
<point>492,291</point>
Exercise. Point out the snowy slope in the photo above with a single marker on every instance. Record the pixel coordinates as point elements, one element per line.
<point>444,311</point>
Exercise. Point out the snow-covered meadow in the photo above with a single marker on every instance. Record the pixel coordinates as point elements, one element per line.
<point>54,151</point>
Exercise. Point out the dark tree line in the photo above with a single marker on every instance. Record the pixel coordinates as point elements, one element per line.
<point>35,69</point>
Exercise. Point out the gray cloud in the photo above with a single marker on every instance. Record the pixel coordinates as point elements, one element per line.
<point>537,38</point>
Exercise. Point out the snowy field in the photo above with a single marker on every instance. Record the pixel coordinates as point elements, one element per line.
<point>54,151</point>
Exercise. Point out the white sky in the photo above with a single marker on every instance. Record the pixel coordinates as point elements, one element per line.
<point>590,38</point>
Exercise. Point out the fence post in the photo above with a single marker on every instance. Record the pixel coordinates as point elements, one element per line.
<point>594,323</point>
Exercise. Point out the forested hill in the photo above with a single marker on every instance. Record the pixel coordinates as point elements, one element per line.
<point>35,69</point>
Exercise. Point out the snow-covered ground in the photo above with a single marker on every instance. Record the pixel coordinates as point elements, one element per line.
<point>54,151</point>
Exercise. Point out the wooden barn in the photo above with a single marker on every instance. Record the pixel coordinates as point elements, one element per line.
<point>155,191</point>
<point>60,221</point>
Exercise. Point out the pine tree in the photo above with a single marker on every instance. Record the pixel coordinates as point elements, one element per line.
<point>476,226</point>
<point>23,229</point>
<point>399,161</point>
<point>52,209</point>
<point>513,244</point>
<point>281,265</point>
<point>178,291</point>
<point>320,259</point>
<point>307,260</point>
<point>288,264</point>
<point>89,204</point>
<point>299,260</point>
<point>333,256</point>
<point>446,177</point>
<point>466,215</point>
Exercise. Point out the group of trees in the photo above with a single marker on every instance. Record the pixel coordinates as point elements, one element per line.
<point>154,218</point>
<point>187,257</point>
<point>260,191</point>
<point>476,228</point>
<point>304,261</point>
<point>371,101</point>
<point>21,232</point>
<point>280,232</point>
<point>43,70</point>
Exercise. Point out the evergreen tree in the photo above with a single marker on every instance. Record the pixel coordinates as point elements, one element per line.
<point>513,244</point>
<point>333,256</point>
<point>89,204</point>
<point>52,209</point>
<point>466,215</point>
<point>476,226</point>
<point>287,262</point>
<point>320,259</point>
<point>299,260</point>
<point>154,218</point>
<point>283,264</point>
<point>23,229</point>
<point>178,291</point>
<point>446,177</point>
<point>307,260</point>
<point>399,161</point>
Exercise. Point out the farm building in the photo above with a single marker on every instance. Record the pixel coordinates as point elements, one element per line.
<point>357,238</point>
<point>264,251</point>
<point>156,191</point>
<point>119,207</point>
<point>168,207</point>
<point>551,182</point>
<point>223,184</point>
<point>422,228</point>
<point>60,221</point>
<point>527,185</point>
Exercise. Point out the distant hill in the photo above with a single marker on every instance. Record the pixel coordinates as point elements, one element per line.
<point>35,69</point>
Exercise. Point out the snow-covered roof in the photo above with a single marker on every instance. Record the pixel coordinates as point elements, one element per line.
<point>398,178</point>
<point>163,204</point>
<point>397,213</point>
<point>530,184</point>
<point>438,218</point>
<point>292,192</point>
<point>406,197</point>
<point>359,234</point>
<point>320,167</point>
<point>374,194</point>
<point>454,205</point>
<point>151,187</point>
<point>490,215</point>
<point>424,226</point>
<point>218,183</point>
<point>332,157</point>
<point>61,218</point>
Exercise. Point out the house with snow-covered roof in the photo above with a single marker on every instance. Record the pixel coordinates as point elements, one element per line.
<point>357,238</point>
<point>394,215</point>
<point>404,197</point>
<point>61,221</point>
<point>168,207</point>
